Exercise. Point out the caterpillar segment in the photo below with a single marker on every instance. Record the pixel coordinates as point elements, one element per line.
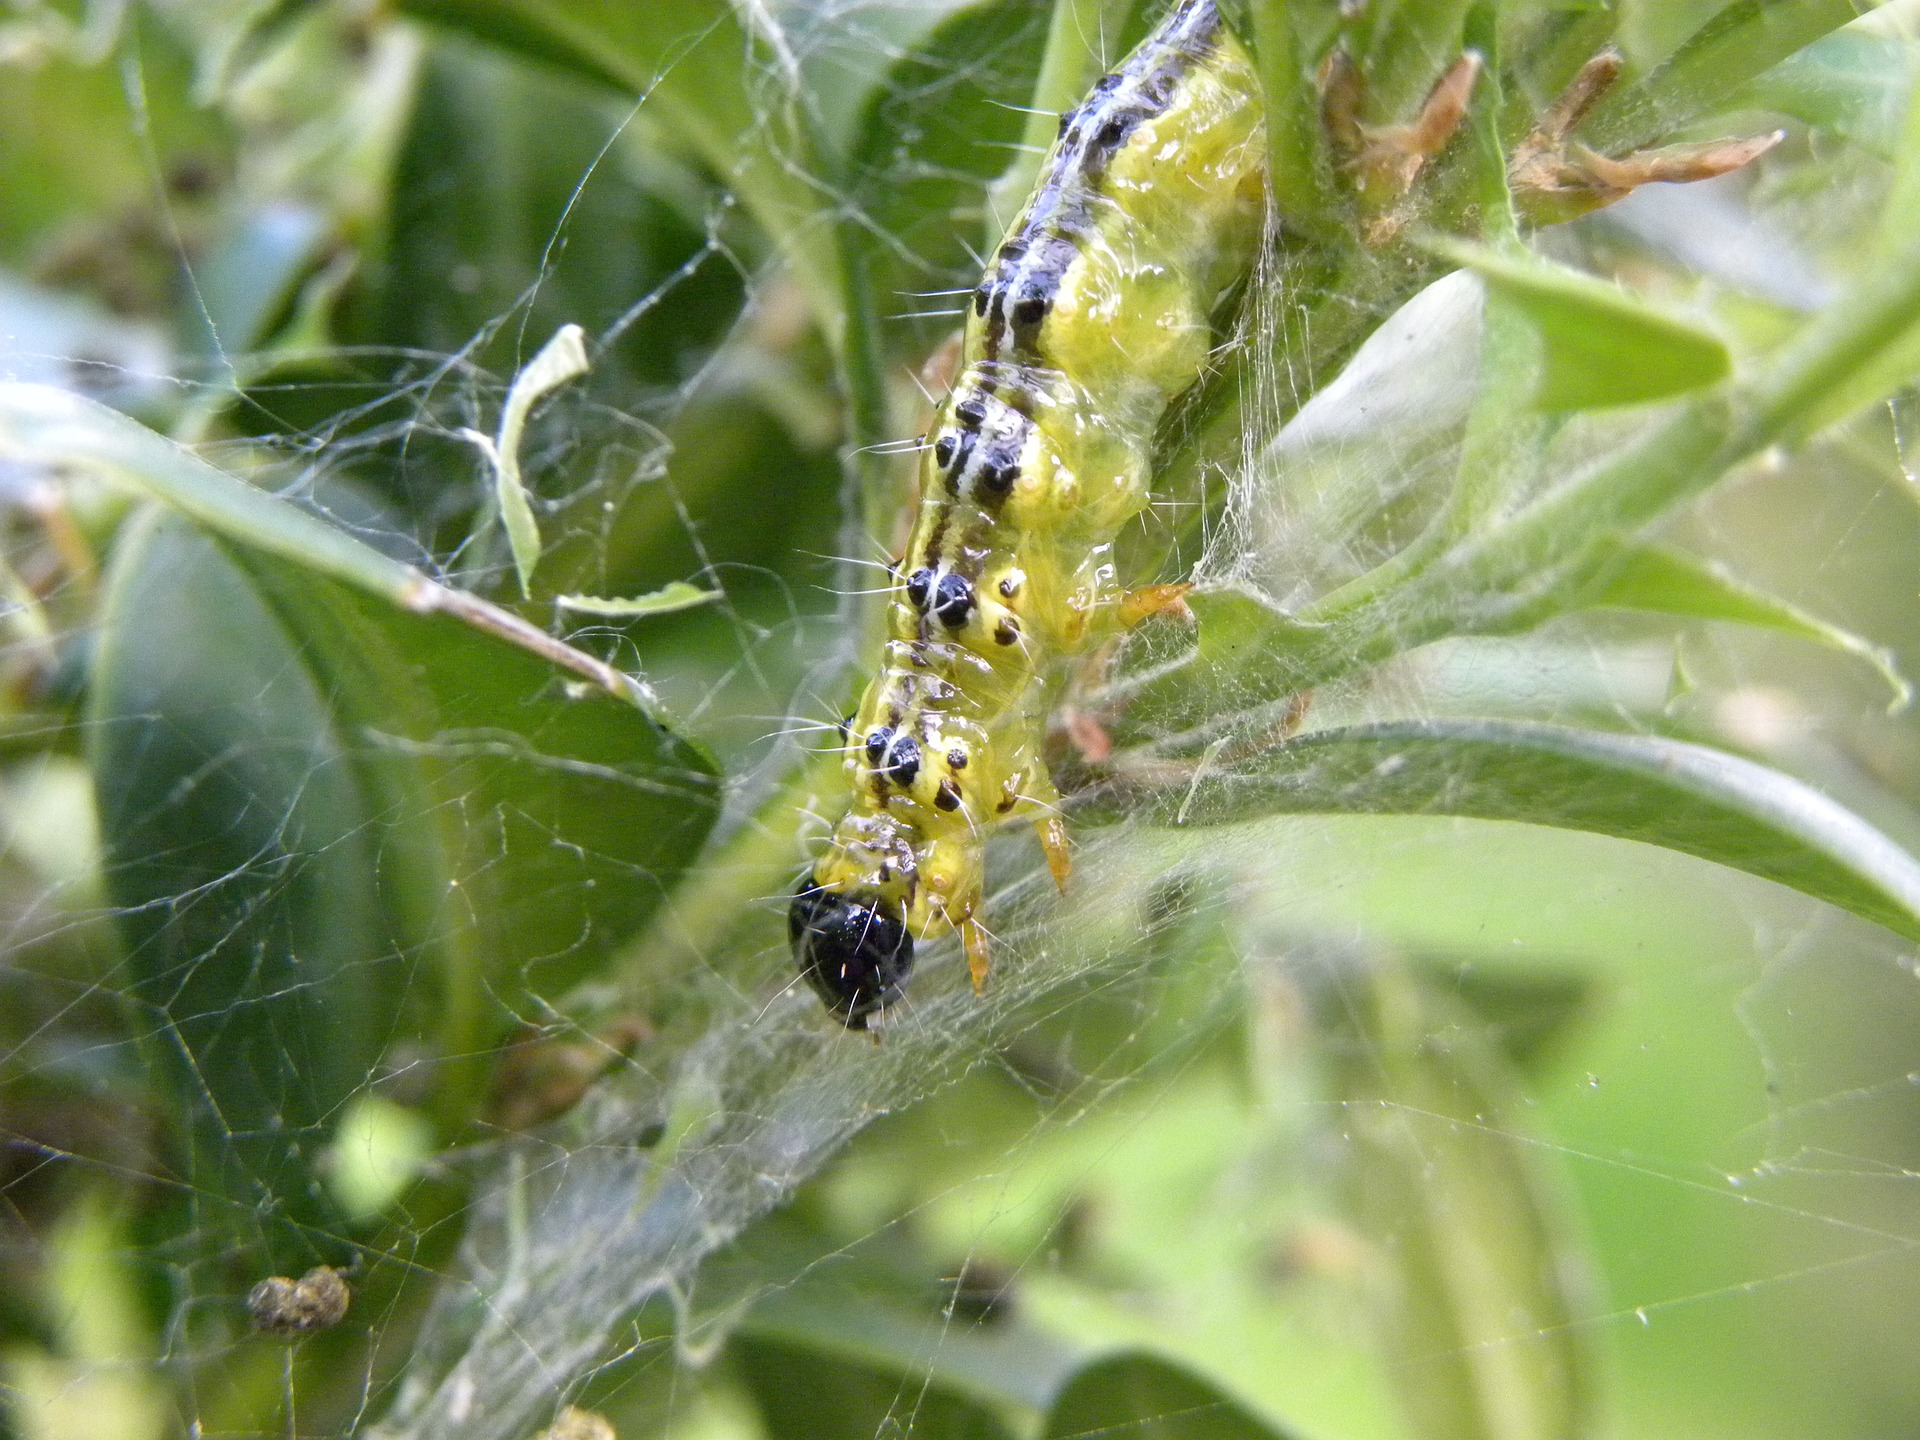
<point>1095,312</point>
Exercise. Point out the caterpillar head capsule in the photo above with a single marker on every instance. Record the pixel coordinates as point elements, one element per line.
<point>854,950</point>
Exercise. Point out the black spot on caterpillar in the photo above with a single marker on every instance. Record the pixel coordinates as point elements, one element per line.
<point>1093,315</point>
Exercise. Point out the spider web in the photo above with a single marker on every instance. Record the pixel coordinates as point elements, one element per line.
<point>1150,1129</point>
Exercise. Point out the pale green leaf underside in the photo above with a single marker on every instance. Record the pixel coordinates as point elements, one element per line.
<point>1601,345</point>
<point>1636,787</point>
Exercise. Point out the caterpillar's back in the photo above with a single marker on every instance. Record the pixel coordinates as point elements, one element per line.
<point>1094,313</point>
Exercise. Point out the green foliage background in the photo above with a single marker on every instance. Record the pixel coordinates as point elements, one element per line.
<point>1525,1049</point>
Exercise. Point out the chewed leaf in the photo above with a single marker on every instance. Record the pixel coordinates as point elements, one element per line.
<point>561,359</point>
<point>1636,787</point>
<point>1137,1394</point>
<point>1652,577</point>
<point>678,595</point>
<point>1601,345</point>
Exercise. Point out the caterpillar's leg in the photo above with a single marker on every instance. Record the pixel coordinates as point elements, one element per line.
<point>973,935</point>
<point>1137,605</point>
<point>1087,735</point>
<point>1053,839</point>
<point>1084,729</point>
<point>1038,790</point>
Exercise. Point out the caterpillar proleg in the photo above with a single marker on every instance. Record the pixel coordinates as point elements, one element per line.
<point>1095,312</point>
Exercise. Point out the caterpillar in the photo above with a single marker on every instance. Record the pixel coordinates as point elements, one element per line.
<point>1094,314</point>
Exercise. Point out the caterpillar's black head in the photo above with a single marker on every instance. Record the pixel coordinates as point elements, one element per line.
<point>854,950</point>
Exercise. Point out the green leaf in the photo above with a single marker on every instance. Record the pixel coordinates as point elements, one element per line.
<point>718,84</point>
<point>677,595</point>
<point>1144,1397</point>
<point>267,909</point>
<point>339,834</point>
<point>1699,78</point>
<point>55,429</point>
<point>52,428</point>
<point>1635,787</point>
<point>1601,345</point>
<point>1234,623</point>
<point>1854,83</point>
<point>250,279</point>
<point>805,1395</point>
<point>1668,582</point>
<point>862,1307</point>
<point>1484,1310</point>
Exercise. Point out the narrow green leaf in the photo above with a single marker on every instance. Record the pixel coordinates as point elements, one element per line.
<point>1636,787</point>
<point>562,358</point>
<point>44,426</point>
<point>51,428</point>
<point>1300,169</point>
<point>1861,349</point>
<point>1738,43</point>
<point>1483,1312</point>
<point>1668,582</point>
<point>1602,345</point>
<point>1902,215</point>
<point>677,595</point>
<point>1143,1397</point>
<point>1889,286</point>
<point>1854,83</point>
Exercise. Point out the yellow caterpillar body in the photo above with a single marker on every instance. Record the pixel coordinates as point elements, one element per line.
<point>1094,314</point>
